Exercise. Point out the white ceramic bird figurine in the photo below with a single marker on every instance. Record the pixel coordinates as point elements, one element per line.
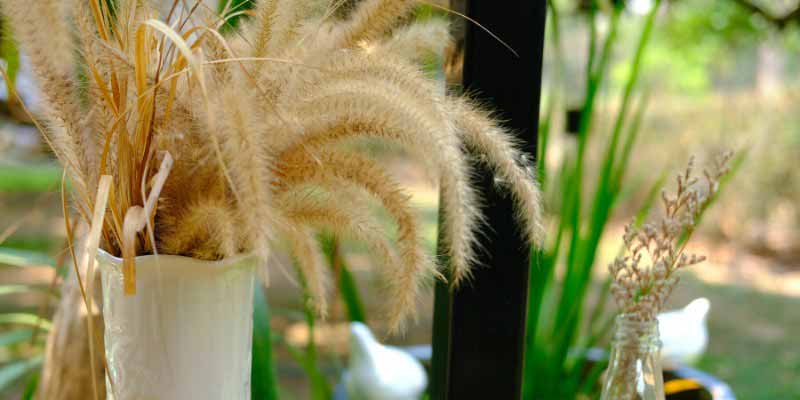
<point>378,372</point>
<point>684,335</point>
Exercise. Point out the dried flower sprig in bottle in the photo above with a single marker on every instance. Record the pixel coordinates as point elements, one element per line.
<point>644,278</point>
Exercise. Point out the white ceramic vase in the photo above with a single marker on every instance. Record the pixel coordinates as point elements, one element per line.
<point>185,334</point>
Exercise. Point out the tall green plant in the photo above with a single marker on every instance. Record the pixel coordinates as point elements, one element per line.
<point>556,341</point>
<point>309,359</point>
<point>346,283</point>
<point>264,382</point>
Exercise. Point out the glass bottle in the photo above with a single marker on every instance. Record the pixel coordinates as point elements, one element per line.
<point>634,369</point>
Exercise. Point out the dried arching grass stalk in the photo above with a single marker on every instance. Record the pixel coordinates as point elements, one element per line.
<point>220,145</point>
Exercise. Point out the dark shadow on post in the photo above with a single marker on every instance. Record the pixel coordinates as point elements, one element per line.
<point>479,329</point>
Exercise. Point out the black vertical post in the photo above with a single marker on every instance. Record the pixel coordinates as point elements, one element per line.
<point>479,328</point>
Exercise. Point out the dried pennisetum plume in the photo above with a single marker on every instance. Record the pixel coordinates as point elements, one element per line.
<point>645,276</point>
<point>216,145</point>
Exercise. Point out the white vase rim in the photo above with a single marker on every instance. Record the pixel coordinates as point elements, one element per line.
<point>178,262</point>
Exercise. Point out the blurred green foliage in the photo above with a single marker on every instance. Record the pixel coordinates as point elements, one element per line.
<point>9,52</point>
<point>703,43</point>
<point>22,334</point>
<point>583,191</point>
<point>559,328</point>
<point>263,382</point>
<point>234,11</point>
<point>29,178</point>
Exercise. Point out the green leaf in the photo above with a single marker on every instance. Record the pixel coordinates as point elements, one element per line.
<point>426,11</point>
<point>233,10</point>
<point>12,372</point>
<point>651,198</point>
<point>30,389</point>
<point>24,258</point>
<point>349,290</point>
<point>735,165</point>
<point>347,283</point>
<point>264,384</point>
<point>320,388</point>
<point>543,139</point>
<point>633,132</point>
<point>590,383</point>
<point>25,319</point>
<point>599,309</point>
<point>14,289</point>
<point>16,336</point>
<point>29,178</point>
<point>9,52</point>
<point>31,242</point>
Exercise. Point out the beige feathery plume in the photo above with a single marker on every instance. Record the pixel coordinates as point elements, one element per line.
<point>335,169</point>
<point>512,171</point>
<point>364,107</point>
<point>417,42</point>
<point>311,263</point>
<point>44,34</point>
<point>241,143</point>
<point>349,220</point>
<point>343,217</point>
<point>206,230</point>
<point>252,118</point>
<point>276,22</point>
<point>332,169</point>
<point>354,222</point>
<point>90,53</point>
<point>371,20</point>
<point>262,26</point>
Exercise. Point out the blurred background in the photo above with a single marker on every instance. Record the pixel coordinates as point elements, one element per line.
<point>688,77</point>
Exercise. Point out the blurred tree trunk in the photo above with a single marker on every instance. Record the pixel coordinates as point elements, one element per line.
<point>771,68</point>
<point>66,374</point>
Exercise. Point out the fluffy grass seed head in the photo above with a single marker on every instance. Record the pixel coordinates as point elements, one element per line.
<point>257,125</point>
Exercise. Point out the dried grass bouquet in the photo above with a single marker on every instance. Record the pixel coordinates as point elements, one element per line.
<point>209,145</point>
<point>645,276</point>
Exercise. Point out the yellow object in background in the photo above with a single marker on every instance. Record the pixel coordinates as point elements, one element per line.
<point>680,385</point>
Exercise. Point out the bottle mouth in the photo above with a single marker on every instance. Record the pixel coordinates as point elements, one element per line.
<point>633,332</point>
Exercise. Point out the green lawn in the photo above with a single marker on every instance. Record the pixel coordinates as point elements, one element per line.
<point>754,339</point>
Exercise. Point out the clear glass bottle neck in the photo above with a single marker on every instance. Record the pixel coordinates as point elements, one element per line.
<point>634,370</point>
<point>631,332</point>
